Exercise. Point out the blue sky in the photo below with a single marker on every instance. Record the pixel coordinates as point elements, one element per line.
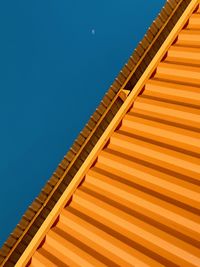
<point>57,60</point>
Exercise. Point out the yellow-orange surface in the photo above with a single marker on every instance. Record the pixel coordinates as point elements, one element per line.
<point>139,204</point>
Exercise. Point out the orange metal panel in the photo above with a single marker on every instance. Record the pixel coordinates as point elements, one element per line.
<point>139,204</point>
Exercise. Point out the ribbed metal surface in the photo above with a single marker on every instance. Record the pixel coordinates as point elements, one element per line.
<point>139,205</point>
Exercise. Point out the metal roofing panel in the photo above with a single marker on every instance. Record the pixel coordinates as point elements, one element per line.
<point>136,199</point>
<point>139,204</point>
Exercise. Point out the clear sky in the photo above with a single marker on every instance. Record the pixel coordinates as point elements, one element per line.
<point>57,60</point>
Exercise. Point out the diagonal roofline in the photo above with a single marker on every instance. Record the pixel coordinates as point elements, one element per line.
<point>129,75</point>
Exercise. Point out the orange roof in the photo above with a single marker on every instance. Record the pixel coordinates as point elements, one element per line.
<point>135,200</point>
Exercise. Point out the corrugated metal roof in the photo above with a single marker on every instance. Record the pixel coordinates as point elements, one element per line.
<point>139,203</point>
<point>134,196</point>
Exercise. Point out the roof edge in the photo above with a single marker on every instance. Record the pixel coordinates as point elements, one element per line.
<point>98,122</point>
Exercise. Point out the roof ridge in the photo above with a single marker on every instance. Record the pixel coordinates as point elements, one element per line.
<point>86,140</point>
